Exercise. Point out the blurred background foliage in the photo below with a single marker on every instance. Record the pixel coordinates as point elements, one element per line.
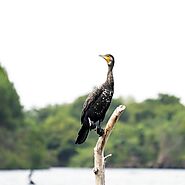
<point>149,133</point>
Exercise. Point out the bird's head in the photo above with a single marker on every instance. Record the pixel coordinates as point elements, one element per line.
<point>109,59</point>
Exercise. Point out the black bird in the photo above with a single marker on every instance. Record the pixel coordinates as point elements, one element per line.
<point>29,177</point>
<point>96,104</point>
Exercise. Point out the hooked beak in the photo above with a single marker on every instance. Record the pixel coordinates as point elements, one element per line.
<point>101,56</point>
<point>106,58</point>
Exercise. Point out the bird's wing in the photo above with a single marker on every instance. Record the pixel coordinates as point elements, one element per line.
<point>92,97</point>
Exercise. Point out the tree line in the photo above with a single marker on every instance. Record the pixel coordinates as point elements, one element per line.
<point>150,133</point>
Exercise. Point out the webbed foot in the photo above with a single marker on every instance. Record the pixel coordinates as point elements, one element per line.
<point>100,132</point>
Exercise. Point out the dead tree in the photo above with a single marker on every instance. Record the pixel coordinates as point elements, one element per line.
<point>99,159</point>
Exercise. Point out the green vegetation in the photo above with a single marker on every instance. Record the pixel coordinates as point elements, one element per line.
<point>149,134</point>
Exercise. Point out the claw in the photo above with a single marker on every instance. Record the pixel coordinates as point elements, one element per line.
<point>100,132</point>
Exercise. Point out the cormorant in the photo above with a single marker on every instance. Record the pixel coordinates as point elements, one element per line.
<point>96,104</point>
<point>29,177</point>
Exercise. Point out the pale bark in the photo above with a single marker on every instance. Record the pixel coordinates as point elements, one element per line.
<point>99,159</point>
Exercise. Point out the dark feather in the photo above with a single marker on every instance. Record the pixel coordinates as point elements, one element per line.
<point>96,105</point>
<point>82,135</point>
<point>92,97</point>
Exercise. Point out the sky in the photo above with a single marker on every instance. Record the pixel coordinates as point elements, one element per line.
<point>50,48</point>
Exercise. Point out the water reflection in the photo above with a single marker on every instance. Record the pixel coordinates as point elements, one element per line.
<point>71,176</point>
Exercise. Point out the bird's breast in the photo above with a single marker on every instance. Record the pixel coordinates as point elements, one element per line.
<point>107,94</point>
<point>103,102</point>
<point>98,109</point>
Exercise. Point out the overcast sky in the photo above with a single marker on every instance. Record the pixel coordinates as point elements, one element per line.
<point>50,48</point>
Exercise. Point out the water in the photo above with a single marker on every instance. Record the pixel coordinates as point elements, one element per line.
<point>75,176</point>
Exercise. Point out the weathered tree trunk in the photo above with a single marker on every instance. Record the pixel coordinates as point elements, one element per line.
<point>99,159</point>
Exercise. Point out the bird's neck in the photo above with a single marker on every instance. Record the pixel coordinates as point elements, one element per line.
<point>110,79</point>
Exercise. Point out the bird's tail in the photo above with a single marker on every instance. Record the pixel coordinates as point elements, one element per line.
<point>82,135</point>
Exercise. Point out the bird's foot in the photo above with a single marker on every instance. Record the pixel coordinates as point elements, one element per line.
<point>100,132</point>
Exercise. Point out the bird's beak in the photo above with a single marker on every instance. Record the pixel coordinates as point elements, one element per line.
<point>105,57</point>
<point>101,56</point>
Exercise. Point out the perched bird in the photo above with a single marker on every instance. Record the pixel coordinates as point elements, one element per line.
<point>29,177</point>
<point>96,104</point>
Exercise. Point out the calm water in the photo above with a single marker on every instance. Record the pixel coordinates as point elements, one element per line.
<point>71,176</point>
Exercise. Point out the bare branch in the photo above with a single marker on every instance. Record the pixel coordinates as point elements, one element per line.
<point>99,159</point>
<point>107,156</point>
